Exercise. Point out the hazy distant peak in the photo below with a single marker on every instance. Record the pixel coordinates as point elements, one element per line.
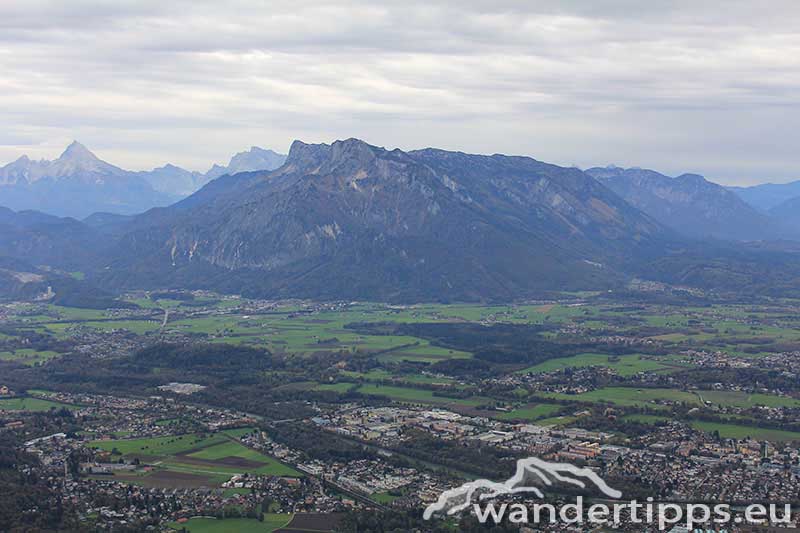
<point>102,186</point>
<point>255,158</point>
<point>692,178</point>
<point>77,151</point>
<point>688,203</point>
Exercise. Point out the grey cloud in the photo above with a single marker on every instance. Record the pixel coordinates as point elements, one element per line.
<point>709,87</point>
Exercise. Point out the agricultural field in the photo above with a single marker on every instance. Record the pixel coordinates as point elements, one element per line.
<point>530,412</point>
<point>160,446</point>
<point>742,399</point>
<point>28,356</point>
<point>659,398</point>
<point>305,328</point>
<point>383,497</point>
<point>624,365</point>
<point>291,328</point>
<point>421,352</point>
<point>32,405</point>
<point>404,394</point>
<point>192,460</point>
<point>735,431</point>
<point>630,396</point>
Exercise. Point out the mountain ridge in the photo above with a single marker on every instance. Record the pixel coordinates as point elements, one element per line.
<point>349,220</point>
<point>690,204</point>
<point>355,220</point>
<point>78,183</point>
<point>766,196</point>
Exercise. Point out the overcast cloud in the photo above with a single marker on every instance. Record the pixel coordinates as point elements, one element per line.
<point>707,87</point>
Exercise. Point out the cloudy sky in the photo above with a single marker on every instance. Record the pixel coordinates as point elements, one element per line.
<point>706,86</point>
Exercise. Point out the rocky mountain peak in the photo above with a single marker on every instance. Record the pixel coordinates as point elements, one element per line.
<point>248,161</point>
<point>697,180</point>
<point>77,152</point>
<point>304,155</point>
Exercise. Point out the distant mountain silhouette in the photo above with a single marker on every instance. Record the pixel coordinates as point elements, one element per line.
<point>691,205</point>
<point>350,220</point>
<point>766,196</point>
<point>78,183</point>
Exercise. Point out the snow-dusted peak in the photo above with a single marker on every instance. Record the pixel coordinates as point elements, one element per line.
<point>77,152</point>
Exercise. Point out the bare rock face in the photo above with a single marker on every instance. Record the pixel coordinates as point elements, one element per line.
<point>248,161</point>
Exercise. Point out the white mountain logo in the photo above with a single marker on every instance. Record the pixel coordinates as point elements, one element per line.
<point>455,500</point>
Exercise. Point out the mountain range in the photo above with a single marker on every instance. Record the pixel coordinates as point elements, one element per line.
<point>78,183</point>
<point>356,221</point>
<point>691,205</point>
<point>768,196</point>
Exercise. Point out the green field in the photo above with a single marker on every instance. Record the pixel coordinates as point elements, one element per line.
<point>422,352</point>
<point>195,460</point>
<point>32,404</point>
<point>742,399</point>
<point>644,397</point>
<point>624,365</point>
<point>270,467</point>
<point>383,497</point>
<point>160,446</point>
<point>531,412</point>
<point>403,394</point>
<point>630,396</point>
<point>28,356</point>
<point>307,328</point>
<point>235,525</point>
<point>287,331</point>
<point>734,431</point>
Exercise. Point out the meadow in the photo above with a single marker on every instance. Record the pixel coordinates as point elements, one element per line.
<point>193,459</point>
<point>32,405</point>
<point>625,396</point>
<point>159,446</point>
<point>405,394</point>
<point>624,365</point>
<point>28,356</point>
<point>736,431</point>
<point>529,412</point>
<point>289,328</point>
<point>745,400</point>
